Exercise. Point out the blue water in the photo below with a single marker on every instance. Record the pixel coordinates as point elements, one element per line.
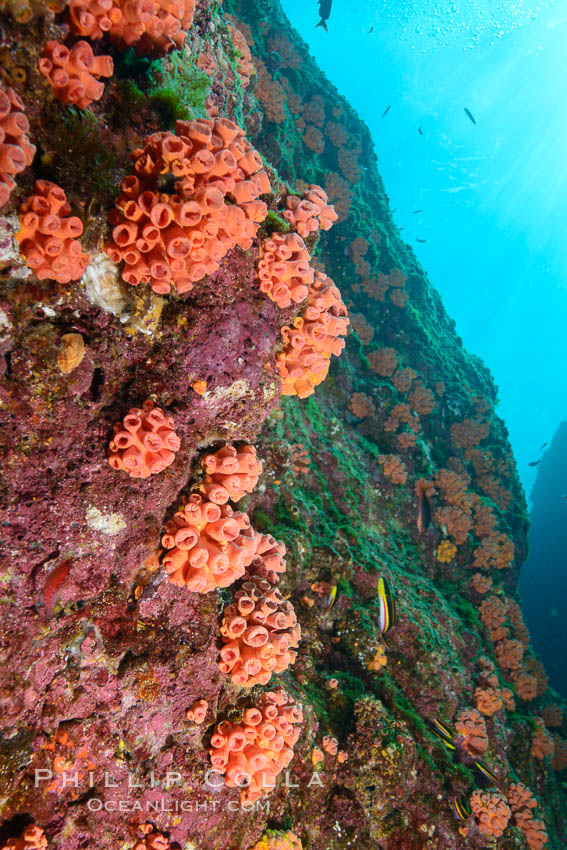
<point>494,194</point>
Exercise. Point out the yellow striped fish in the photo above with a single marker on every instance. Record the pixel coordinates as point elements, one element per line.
<point>461,807</point>
<point>331,599</point>
<point>485,771</point>
<point>443,729</point>
<point>387,614</point>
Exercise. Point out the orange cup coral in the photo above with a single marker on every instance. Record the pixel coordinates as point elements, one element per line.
<point>198,711</point>
<point>361,406</point>
<point>16,151</point>
<point>268,561</point>
<point>313,211</point>
<point>509,654</point>
<point>487,701</point>
<point>151,28</point>
<point>542,742</point>
<point>48,235</point>
<point>330,745</point>
<point>230,474</point>
<point>481,584</point>
<point>32,838</point>
<point>256,750</point>
<point>209,545</point>
<point>384,361</point>
<point>144,443</point>
<point>176,239</point>
<point>491,812</point>
<point>283,269</point>
<point>470,724</point>
<point>260,633</point>
<point>308,346</point>
<point>522,802</point>
<point>74,74</point>
<point>394,468</point>
<point>151,839</point>
<point>244,64</point>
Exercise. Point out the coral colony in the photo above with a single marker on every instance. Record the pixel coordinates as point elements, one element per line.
<point>226,580</point>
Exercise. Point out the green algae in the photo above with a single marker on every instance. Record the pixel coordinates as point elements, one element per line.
<point>274,223</point>
<point>77,133</point>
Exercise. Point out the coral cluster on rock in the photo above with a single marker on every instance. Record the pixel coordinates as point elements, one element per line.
<point>49,235</point>
<point>260,633</point>
<point>16,151</point>
<point>252,753</point>
<point>384,520</point>
<point>175,239</point>
<point>74,74</point>
<point>152,28</point>
<point>308,345</point>
<point>208,545</point>
<point>145,442</point>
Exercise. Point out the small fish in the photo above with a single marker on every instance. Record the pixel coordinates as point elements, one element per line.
<point>324,12</point>
<point>420,240</point>
<point>485,771</point>
<point>54,582</point>
<point>423,511</point>
<point>469,114</point>
<point>534,462</point>
<point>371,29</point>
<point>387,616</point>
<point>443,729</point>
<point>542,447</point>
<point>420,131</point>
<point>416,212</point>
<point>461,807</point>
<point>386,111</point>
<point>331,599</point>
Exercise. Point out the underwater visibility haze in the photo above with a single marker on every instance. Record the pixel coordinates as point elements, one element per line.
<point>282,307</point>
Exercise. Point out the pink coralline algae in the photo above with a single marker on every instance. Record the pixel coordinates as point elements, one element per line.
<point>198,711</point>
<point>16,151</point>
<point>260,633</point>
<point>32,838</point>
<point>491,811</point>
<point>144,443</point>
<point>174,240</point>
<point>283,269</point>
<point>230,473</point>
<point>48,235</point>
<point>304,362</point>
<point>313,211</point>
<point>209,545</point>
<point>151,26</point>
<point>255,751</point>
<point>74,74</point>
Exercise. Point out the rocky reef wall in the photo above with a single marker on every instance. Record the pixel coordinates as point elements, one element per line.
<point>396,467</point>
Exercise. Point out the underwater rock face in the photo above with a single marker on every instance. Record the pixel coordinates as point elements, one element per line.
<point>395,467</point>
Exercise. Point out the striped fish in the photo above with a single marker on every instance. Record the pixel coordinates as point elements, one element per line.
<point>443,729</point>
<point>387,615</point>
<point>461,807</point>
<point>444,733</point>
<point>331,599</point>
<point>485,771</point>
